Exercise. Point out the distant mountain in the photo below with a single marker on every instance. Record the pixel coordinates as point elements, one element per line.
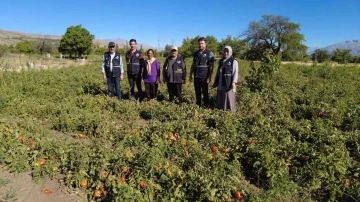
<point>13,37</point>
<point>353,45</point>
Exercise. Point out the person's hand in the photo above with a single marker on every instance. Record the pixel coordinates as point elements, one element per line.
<point>157,82</point>
<point>233,85</point>
<point>121,77</point>
<point>104,76</point>
<point>142,81</point>
<point>208,81</point>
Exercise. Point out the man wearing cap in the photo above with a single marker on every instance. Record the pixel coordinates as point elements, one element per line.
<point>202,67</point>
<point>135,63</point>
<point>174,74</point>
<point>112,70</point>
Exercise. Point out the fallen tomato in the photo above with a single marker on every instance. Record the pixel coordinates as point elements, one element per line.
<point>47,192</point>
<point>214,149</point>
<point>238,195</point>
<point>83,183</point>
<point>142,184</point>
<point>40,162</point>
<point>97,194</point>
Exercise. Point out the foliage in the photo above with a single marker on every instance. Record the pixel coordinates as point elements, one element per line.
<point>342,56</point>
<point>274,32</point>
<point>167,50</point>
<point>76,41</point>
<point>320,55</point>
<point>3,50</point>
<point>297,140</point>
<point>258,79</point>
<point>190,45</point>
<point>24,47</point>
<point>238,46</point>
<point>43,46</point>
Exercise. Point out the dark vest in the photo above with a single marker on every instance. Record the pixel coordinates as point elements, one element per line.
<point>133,63</point>
<point>116,64</point>
<point>201,67</point>
<point>175,73</point>
<point>226,68</point>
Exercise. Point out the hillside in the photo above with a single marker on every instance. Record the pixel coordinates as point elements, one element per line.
<point>353,45</point>
<point>13,37</point>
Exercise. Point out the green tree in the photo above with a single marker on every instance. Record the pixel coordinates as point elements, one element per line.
<point>24,47</point>
<point>167,50</point>
<point>273,32</point>
<point>355,59</point>
<point>320,55</point>
<point>190,45</point>
<point>212,44</point>
<point>76,41</point>
<point>342,56</point>
<point>43,46</point>
<point>238,46</point>
<point>3,50</point>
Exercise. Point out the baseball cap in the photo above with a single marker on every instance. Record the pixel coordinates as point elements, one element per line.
<point>111,44</point>
<point>174,48</point>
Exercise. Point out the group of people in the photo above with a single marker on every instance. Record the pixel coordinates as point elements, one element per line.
<point>147,71</point>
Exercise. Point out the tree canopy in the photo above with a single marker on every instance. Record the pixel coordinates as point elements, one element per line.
<point>342,56</point>
<point>273,32</point>
<point>190,45</point>
<point>76,41</point>
<point>320,55</point>
<point>238,46</point>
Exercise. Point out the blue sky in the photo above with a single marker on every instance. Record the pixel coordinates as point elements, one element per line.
<point>323,22</point>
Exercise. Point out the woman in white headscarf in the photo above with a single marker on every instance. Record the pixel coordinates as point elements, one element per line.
<point>225,81</point>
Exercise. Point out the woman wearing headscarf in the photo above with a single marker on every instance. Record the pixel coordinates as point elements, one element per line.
<point>225,81</point>
<point>151,75</point>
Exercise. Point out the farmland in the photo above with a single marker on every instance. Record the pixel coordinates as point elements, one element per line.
<point>298,140</point>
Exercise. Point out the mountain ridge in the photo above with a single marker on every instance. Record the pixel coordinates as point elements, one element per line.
<point>353,45</point>
<point>9,37</point>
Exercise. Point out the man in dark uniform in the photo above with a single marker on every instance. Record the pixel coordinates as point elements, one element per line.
<point>112,70</point>
<point>135,63</point>
<point>202,67</point>
<point>174,74</point>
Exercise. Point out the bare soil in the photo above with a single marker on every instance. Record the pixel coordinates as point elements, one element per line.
<point>21,187</point>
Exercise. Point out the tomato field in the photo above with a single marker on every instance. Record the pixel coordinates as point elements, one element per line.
<point>298,140</point>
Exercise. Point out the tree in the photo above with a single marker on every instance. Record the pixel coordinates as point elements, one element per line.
<point>342,56</point>
<point>355,59</point>
<point>43,46</point>
<point>190,45</point>
<point>76,41</point>
<point>167,50</point>
<point>238,46</point>
<point>273,32</point>
<point>320,55</point>
<point>3,50</point>
<point>24,47</point>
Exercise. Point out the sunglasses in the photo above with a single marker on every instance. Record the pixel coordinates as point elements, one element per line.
<point>111,46</point>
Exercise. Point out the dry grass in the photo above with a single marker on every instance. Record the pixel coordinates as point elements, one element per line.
<point>330,64</point>
<point>19,62</point>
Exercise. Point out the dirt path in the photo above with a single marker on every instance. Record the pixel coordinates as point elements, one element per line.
<point>21,187</point>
